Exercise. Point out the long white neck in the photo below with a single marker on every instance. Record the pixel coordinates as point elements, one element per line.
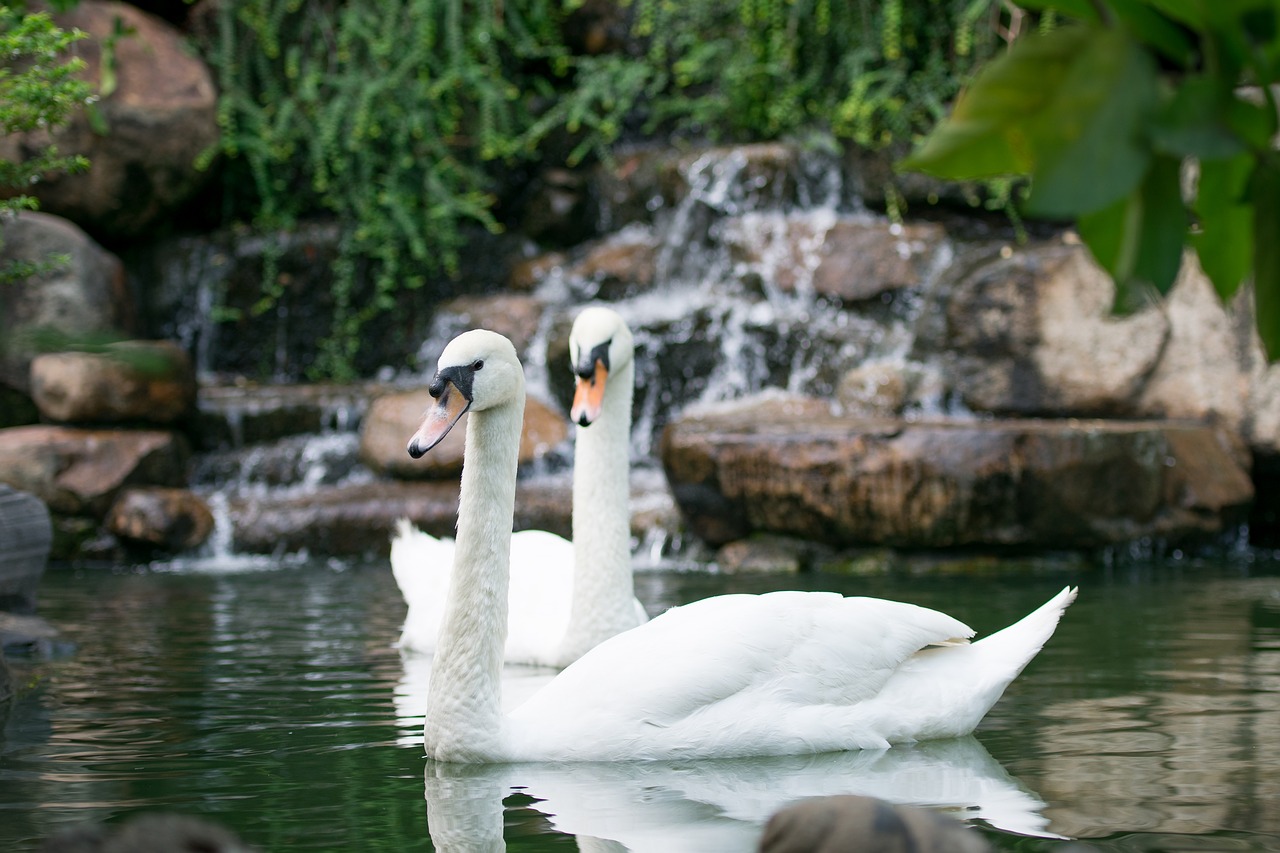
<point>464,697</point>
<point>603,591</point>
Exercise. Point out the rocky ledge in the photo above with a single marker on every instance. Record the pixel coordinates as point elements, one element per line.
<point>783,466</point>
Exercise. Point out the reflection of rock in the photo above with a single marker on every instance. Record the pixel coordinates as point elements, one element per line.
<point>1176,732</point>
<point>147,833</point>
<point>758,466</point>
<point>723,804</point>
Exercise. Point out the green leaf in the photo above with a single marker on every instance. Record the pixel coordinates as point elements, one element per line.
<point>1088,151</point>
<point>1081,10</point>
<point>1225,239</point>
<point>1139,238</point>
<point>1164,225</point>
<point>986,133</point>
<point>1265,194</point>
<point>1155,30</point>
<point>1193,123</point>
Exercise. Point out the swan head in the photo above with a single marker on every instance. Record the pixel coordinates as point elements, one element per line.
<point>478,370</point>
<point>599,344</point>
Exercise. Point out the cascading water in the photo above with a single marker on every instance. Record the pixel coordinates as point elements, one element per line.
<point>730,308</point>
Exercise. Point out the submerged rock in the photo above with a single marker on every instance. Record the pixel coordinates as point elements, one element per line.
<point>26,536</point>
<point>851,823</point>
<point>1021,483</point>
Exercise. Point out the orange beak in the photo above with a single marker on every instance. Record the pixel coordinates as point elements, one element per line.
<point>588,396</point>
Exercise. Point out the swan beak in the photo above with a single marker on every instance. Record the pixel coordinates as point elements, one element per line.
<point>588,396</point>
<point>451,404</point>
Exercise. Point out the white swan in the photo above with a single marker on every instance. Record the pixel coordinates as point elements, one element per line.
<point>567,596</point>
<point>734,675</point>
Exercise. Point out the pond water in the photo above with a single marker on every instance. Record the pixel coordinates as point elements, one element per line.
<point>273,701</point>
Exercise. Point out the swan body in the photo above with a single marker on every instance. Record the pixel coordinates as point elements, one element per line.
<point>729,676</point>
<point>567,596</point>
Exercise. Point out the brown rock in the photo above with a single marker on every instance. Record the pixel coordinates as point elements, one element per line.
<point>1046,484</point>
<point>846,258</point>
<point>86,297</point>
<point>393,418</point>
<point>172,519</point>
<point>621,264</point>
<point>140,381</point>
<point>359,519</point>
<point>515,316</point>
<point>159,118</point>
<point>80,471</point>
<point>1030,331</point>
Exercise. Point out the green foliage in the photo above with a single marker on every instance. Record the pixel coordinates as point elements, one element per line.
<point>1104,115</point>
<point>403,119</point>
<point>38,90</point>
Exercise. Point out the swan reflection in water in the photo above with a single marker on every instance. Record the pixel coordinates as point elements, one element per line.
<point>717,804</point>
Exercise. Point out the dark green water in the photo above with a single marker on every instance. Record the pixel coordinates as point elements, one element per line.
<point>273,702</point>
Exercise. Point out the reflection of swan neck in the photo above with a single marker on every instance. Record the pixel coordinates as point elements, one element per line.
<point>464,697</point>
<point>603,592</point>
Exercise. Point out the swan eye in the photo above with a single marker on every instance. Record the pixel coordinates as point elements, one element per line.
<point>477,364</point>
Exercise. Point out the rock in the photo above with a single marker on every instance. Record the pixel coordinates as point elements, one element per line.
<point>515,316</point>
<point>763,553</point>
<point>851,823</point>
<point>26,536</point>
<point>393,418</point>
<point>844,258</point>
<point>1022,483</point>
<point>136,381</point>
<point>160,117</point>
<point>528,273</point>
<point>24,630</point>
<point>878,389</point>
<point>619,265</point>
<point>170,519</point>
<point>86,297</point>
<point>1030,332</point>
<point>248,414</point>
<point>359,519</point>
<point>80,471</point>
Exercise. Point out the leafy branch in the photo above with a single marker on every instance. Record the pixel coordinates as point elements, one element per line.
<point>1108,113</point>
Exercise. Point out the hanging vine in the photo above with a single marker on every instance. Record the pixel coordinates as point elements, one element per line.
<point>396,118</point>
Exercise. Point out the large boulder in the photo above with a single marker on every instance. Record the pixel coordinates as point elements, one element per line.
<point>754,466</point>
<point>1030,332</point>
<point>394,418</point>
<point>84,297</point>
<point>359,519</point>
<point>80,472</point>
<point>144,135</point>
<point>136,381</point>
<point>844,258</point>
